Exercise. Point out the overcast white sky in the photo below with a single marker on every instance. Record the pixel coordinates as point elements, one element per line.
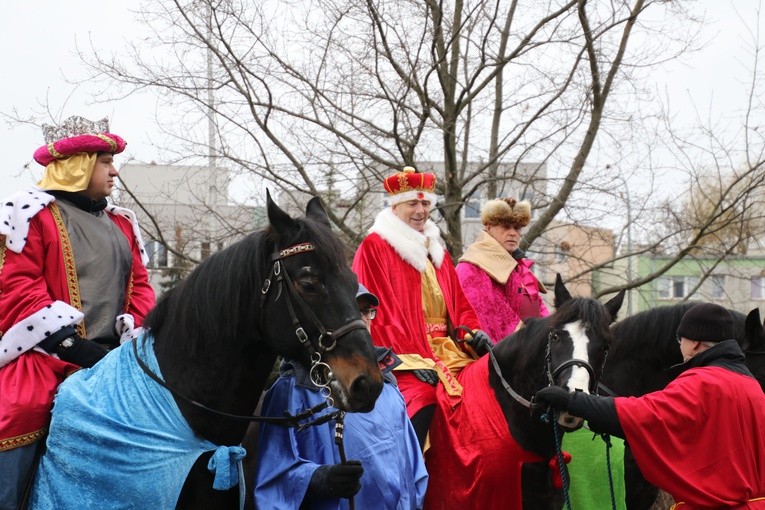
<point>39,40</point>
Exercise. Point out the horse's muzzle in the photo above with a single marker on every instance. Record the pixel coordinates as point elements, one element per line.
<point>569,422</point>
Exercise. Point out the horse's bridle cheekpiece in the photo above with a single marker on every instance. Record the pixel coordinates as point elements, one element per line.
<point>549,372</point>
<point>326,342</point>
<point>327,339</point>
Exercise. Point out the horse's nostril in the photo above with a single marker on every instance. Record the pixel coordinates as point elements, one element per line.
<point>364,392</point>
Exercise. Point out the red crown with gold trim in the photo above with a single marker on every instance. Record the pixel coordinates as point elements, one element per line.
<point>410,185</point>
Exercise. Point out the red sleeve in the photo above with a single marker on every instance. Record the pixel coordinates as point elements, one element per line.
<point>24,288</point>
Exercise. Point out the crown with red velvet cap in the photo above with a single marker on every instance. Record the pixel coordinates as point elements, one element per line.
<point>77,135</point>
<point>410,185</point>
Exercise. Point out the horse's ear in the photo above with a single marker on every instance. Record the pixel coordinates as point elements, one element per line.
<point>316,211</point>
<point>280,221</point>
<point>614,304</point>
<point>754,331</point>
<point>561,292</point>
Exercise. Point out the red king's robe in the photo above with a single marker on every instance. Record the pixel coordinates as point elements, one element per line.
<point>30,283</point>
<point>696,441</point>
<point>477,463</point>
<point>400,323</point>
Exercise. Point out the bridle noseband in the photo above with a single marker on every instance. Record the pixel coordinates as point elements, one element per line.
<point>549,371</point>
<point>573,362</point>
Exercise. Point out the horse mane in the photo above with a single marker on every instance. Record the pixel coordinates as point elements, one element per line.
<point>587,310</point>
<point>648,331</point>
<point>219,301</point>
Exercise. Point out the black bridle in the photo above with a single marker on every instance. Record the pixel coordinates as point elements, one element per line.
<point>320,373</point>
<point>327,339</point>
<point>549,371</point>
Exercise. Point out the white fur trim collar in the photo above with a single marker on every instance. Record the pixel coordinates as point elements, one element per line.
<point>15,214</point>
<point>17,210</point>
<point>412,246</point>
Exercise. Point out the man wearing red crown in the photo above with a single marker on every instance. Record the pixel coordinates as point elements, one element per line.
<point>403,262</point>
<point>72,281</point>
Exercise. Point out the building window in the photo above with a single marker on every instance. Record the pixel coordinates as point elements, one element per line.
<point>676,287</point>
<point>717,282</point>
<point>758,287</point>
<point>472,208</point>
<point>157,254</point>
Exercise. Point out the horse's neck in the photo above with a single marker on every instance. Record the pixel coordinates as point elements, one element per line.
<point>528,431</point>
<point>233,386</point>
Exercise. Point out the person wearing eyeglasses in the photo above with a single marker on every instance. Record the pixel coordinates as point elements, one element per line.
<point>303,469</point>
<point>702,438</point>
<point>495,273</point>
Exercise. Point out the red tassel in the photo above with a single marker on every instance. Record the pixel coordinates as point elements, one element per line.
<point>555,477</point>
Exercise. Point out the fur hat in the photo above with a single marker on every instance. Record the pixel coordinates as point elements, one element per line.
<point>706,322</point>
<point>410,185</point>
<point>77,135</point>
<point>506,211</point>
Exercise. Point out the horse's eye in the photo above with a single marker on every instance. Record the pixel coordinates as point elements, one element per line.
<point>309,285</point>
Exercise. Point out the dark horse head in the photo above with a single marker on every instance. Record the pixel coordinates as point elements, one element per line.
<point>567,348</point>
<point>287,290</point>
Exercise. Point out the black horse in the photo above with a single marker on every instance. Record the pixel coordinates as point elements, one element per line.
<point>488,449</point>
<point>645,347</point>
<point>287,290</point>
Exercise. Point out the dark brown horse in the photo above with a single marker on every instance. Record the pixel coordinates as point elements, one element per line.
<point>287,290</point>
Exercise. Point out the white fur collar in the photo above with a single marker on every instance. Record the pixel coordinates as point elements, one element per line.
<point>412,246</point>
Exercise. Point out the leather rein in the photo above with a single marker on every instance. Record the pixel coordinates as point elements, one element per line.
<point>549,371</point>
<point>320,373</point>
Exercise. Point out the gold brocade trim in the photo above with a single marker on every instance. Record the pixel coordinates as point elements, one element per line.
<point>22,440</point>
<point>436,329</point>
<point>129,292</point>
<point>53,152</point>
<point>69,266</point>
<point>112,143</point>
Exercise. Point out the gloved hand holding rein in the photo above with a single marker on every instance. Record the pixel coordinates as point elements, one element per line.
<point>336,480</point>
<point>426,375</point>
<point>599,411</point>
<point>72,348</point>
<point>481,343</point>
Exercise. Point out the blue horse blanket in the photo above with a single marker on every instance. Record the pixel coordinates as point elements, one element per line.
<point>118,440</point>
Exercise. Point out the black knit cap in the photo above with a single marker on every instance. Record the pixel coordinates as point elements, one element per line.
<point>706,322</point>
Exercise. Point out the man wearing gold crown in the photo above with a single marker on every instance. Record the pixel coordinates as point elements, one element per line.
<point>73,281</point>
<point>403,262</point>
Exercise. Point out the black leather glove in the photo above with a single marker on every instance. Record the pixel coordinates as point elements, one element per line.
<point>336,480</point>
<point>79,351</point>
<point>426,376</point>
<point>553,396</point>
<point>481,343</point>
<point>107,342</point>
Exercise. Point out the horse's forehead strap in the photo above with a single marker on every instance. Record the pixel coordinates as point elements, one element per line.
<point>295,249</point>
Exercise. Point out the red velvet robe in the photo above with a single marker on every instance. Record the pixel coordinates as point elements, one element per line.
<point>701,439</point>
<point>477,463</point>
<point>31,282</point>
<point>400,323</point>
